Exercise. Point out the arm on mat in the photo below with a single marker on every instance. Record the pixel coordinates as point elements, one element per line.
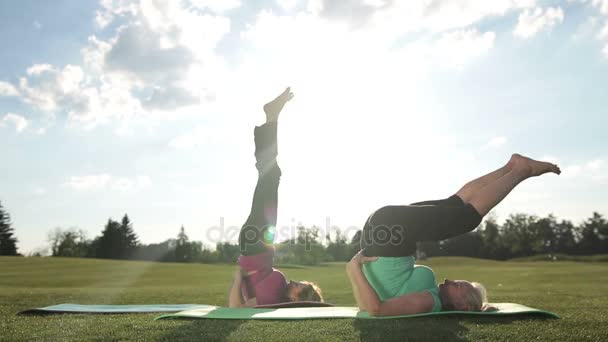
<point>236,296</point>
<point>368,300</point>
<point>356,292</point>
<point>366,297</point>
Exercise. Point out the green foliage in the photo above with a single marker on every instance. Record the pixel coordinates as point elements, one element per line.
<point>8,242</point>
<point>304,249</point>
<point>117,241</point>
<point>594,234</point>
<point>186,250</point>
<point>524,235</point>
<point>339,249</point>
<point>519,236</point>
<point>69,243</point>
<point>227,252</point>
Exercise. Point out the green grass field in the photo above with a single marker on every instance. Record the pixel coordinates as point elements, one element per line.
<point>574,290</point>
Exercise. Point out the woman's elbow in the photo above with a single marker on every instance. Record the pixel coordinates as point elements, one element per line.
<point>374,310</point>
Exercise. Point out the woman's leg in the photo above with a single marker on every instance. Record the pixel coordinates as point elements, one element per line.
<point>257,234</point>
<point>467,191</point>
<point>394,230</point>
<point>453,200</point>
<point>488,196</point>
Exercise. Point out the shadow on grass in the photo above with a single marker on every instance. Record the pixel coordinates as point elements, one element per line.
<point>202,330</point>
<point>506,319</point>
<point>414,329</point>
<point>430,329</point>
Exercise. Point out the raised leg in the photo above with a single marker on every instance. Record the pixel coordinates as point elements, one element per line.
<point>469,189</point>
<point>522,168</point>
<point>258,232</point>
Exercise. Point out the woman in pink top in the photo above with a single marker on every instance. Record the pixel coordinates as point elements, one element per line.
<point>256,282</point>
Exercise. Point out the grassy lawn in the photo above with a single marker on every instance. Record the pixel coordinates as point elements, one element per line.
<point>577,291</point>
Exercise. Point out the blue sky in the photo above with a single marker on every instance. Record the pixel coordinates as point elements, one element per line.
<point>147,108</point>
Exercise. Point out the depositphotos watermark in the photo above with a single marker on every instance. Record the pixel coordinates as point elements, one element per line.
<point>252,235</point>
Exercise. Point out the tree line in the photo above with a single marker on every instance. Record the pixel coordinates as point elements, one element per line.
<point>520,235</point>
<point>523,235</point>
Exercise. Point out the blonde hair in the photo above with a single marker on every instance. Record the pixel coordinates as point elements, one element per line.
<point>310,293</point>
<point>477,298</point>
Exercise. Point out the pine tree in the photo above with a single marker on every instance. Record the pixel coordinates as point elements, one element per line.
<point>182,246</point>
<point>108,244</point>
<point>129,238</point>
<point>117,241</point>
<point>8,243</point>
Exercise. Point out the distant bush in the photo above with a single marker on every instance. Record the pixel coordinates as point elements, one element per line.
<point>564,257</point>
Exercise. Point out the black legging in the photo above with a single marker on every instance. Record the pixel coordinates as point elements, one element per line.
<point>393,231</point>
<point>257,234</point>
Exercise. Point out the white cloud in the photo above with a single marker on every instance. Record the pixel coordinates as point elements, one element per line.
<point>37,25</point>
<point>48,88</point>
<point>594,169</point>
<point>110,9</point>
<point>287,4</point>
<point>455,49</point>
<point>106,181</point>
<point>17,120</point>
<point>398,17</point>
<point>7,89</point>
<point>161,56</point>
<point>601,5</point>
<point>166,50</point>
<point>197,137</point>
<point>127,184</point>
<point>160,59</point>
<point>497,142</point>
<point>39,191</point>
<point>86,183</point>
<point>550,159</point>
<point>218,6</point>
<point>571,171</point>
<point>603,34</point>
<point>38,69</point>
<point>448,14</point>
<point>595,164</point>
<point>530,22</point>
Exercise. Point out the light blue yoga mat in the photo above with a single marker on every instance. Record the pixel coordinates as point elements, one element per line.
<point>143,308</point>
<point>115,309</point>
<point>215,312</point>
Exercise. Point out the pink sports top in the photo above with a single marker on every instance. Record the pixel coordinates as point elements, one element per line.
<point>268,284</point>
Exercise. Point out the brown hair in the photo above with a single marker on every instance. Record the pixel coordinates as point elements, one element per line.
<point>310,293</point>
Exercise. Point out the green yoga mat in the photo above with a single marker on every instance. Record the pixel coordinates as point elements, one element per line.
<point>114,309</point>
<point>215,312</point>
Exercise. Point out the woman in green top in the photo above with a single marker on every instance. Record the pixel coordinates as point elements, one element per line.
<point>384,277</point>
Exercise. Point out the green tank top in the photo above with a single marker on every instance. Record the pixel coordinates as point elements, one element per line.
<point>396,276</point>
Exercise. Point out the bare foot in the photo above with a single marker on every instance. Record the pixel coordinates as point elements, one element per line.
<point>274,107</point>
<point>534,167</point>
